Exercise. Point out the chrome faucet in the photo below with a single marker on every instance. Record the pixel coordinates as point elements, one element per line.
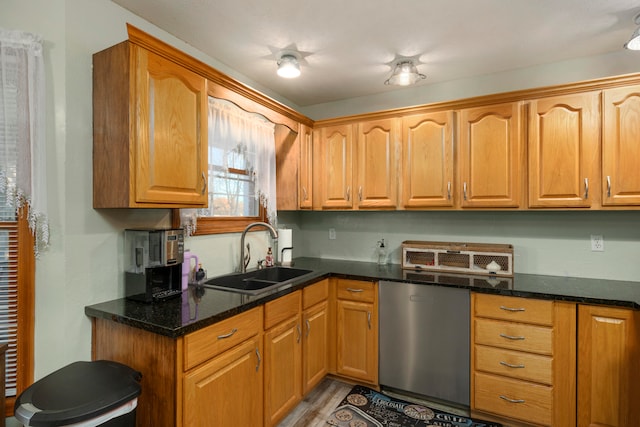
<point>274,236</point>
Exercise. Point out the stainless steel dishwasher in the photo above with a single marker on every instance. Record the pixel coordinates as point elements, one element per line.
<point>424,340</point>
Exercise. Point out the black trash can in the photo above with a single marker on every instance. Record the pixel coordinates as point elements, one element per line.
<point>87,394</point>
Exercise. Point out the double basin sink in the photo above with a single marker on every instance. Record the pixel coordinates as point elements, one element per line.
<point>258,281</point>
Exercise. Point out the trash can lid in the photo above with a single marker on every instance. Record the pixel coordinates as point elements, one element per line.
<point>78,392</point>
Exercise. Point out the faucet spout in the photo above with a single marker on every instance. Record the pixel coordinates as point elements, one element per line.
<point>272,231</point>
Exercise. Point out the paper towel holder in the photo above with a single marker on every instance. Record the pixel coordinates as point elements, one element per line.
<point>288,263</point>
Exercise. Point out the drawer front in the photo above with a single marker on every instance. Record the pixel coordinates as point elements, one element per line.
<point>514,364</point>
<point>281,309</point>
<point>213,340</point>
<point>512,398</point>
<point>356,290</point>
<point>525,310</point>
<point>514,336</point>
<point>311,295</point>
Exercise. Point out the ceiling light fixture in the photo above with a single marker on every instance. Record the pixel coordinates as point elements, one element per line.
<point>634,41</point>
<point>288,66</point>
<point>405,73</point>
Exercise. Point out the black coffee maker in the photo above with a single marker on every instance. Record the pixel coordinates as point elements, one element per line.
<point>153,263</point>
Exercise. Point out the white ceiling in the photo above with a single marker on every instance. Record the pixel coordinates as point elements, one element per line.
<point>348,45</point>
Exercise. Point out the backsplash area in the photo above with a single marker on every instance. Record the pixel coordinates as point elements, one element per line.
<point>545,242</point>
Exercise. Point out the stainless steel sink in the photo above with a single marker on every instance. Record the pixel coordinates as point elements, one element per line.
<point>257,281</point>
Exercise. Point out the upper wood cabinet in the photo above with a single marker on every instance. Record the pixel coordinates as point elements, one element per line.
<point>621,146</point>
<point>287,161</point>
<point>332,169</point>
<point>427,160</point>
<point>150,131</point>
<point>564,151</point>
<point>305,170</point>
<point>376,169</point>
<point>490,154</point>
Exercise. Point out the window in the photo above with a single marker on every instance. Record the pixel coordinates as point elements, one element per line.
<point>23,224</point>
<point>242,171</point>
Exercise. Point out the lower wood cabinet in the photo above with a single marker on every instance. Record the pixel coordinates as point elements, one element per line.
<point>283,357</point>
<point>608,367</point>
<point>227,389</point>
<point>523,359</point>
<point>357,330</point>
<point>316,336</point>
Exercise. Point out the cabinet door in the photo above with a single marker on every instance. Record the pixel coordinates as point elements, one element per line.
<point>315,357</point>
<point>564,151</point>
<point>305,184</point>
<point>490,159</point>
<point>427,160</point>
<point>621,147</point>
<point>377,178</point>
<point>357,340</point>
<point>171,142</point>
<point>227,389</point>
<point>283,367</point>
<point>333,172</point>
<point>608,358</point>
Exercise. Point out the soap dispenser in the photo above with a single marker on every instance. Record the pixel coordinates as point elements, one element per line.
<point>382,253</point>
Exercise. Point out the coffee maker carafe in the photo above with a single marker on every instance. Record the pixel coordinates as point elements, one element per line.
<point>153,263</point>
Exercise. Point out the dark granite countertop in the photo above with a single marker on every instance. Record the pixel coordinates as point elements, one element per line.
<point>199,307</point>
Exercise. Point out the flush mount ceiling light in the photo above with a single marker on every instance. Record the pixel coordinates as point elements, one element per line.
<point>405,73</point>
<point>634,41</point>
<point>288,66</point>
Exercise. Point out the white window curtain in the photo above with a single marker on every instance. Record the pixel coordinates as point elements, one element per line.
<point>252,137</point>
<point>22,129</point>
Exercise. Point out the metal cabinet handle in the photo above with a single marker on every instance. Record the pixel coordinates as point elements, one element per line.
<point>511,400</point>
<point>305,196</point>
<point>233,331</point>
<point>299,332</point>
<point>502,307</point>
<point>360,193</point>
<point>204,184</point>
<point>511,337</point>
<point>509,365</point>
<point>608,186</point>
<point>464,190</point>
<point>369,319</point>
<point>449,190</point>
<point>259,359</point>
<point>355,290</point>
<point>586,188</point>
<point>308,328</point>
<point>348,193</point>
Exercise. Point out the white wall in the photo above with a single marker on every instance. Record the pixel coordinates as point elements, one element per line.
<point>85,261</point>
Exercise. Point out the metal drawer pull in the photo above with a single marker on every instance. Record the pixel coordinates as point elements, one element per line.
<point>360,193</point>
<point>464,190</point>
<point>304,192</point>
<point>608,186</point>
<point>509,365</point>
<point>233,331</point>
<point>348,194</point>
<point>355,290</point>
<point>511,400</point>
<point>299,332</point>
<point>204,184</point>
<point>259,360</point>
<point>369,318</point>
<point>449,190</point>
<point>308,328</point>
<point>502,307</point>
<point>511,337</point>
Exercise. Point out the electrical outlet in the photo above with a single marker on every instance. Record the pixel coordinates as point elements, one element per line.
<point>332,234</point>
<point>597,243</point>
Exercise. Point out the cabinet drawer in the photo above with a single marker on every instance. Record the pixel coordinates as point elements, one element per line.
<point>514,364</point>
<point>356,290</point>
<point>311,295</point>
<point>281,309</point>
<point>525,310</point>
<point>513,336</point>
<point>213,340</point>
<point>513,398</point>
